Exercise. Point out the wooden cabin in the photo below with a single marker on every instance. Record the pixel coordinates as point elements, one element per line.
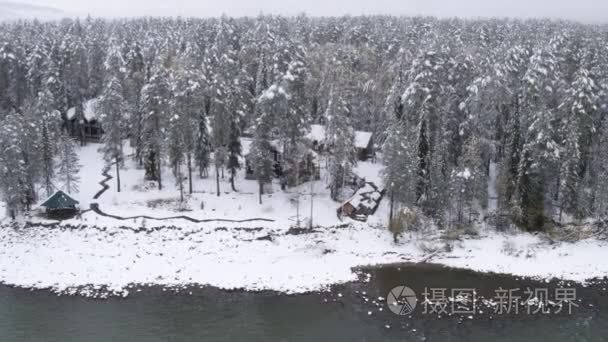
<point>276,158</point>
<point>84,122</point>
<point>363,141</point>
<point>308,169</point>
<point>362,203</point>
<point>60,206</point>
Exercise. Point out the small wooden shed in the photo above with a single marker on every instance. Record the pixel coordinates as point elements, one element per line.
<point>363,203</point>
<point>60,204</point>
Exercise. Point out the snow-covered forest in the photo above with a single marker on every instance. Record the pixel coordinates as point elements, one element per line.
<point>466,114</point>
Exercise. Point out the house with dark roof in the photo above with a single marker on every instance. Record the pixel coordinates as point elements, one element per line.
<point>84,121</point>
<point>60,205</point>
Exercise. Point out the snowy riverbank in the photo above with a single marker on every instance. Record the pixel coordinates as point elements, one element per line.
<point>264,258</point>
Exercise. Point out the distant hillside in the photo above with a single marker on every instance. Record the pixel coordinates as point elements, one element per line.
<point>14,10</point>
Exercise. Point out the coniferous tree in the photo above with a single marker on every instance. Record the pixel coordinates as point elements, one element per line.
<point>13,169</point>
<point>422,109</point>
<point>68,165</point>
<point>134,83</point>
<point>575,125</point>
<point>156,97</point>
<point>112,108</point>
<point>226,97</point>
<point>399,173</point>
<point>176,149</point>
<point>469,181</point>
<point>75,76</point>
<point>187,105</point>
<point>203,146</point>
<point>50,123</point>
<point>270,103</point>
<point>293,122</point>
<point>339,136</point>
<point>539,149</point>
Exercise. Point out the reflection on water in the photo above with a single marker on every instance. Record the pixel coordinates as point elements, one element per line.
<point>350,312</point>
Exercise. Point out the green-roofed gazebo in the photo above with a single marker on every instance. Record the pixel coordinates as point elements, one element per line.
<point>60,204</point>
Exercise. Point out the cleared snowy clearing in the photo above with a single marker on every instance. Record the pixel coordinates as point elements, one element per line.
<point>204,203</point>
<point>95,251</point>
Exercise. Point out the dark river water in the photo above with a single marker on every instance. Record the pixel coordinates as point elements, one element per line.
<point>350,312</point>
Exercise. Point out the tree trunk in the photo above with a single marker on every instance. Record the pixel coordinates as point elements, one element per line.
<point>68,182</point>
<point>160,183</point>
<point>232,174</point>
<point>189,174</point>
<point>83,141</point>
<point>181,183</point>
<point>217,179</point>
<point>49,185</point>
<point>261,192</point>
<point>311,204</point>
<point>117,174</point>
<point>392,208</point>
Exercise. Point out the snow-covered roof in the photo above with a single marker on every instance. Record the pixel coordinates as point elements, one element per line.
<point>317,133</point>
<point>71,113</point>
<point>366,197</point>
<point>362,139</point>
<point>89,110</point>
<point>246,146</point>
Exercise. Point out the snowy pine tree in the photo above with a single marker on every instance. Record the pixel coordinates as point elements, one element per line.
<point>112,108</point>
<point>270,103</point>
<point>187,105</point>
<point>539,149</point>
<point>339,136</point>
<point>49,125</point>
<point>68,165</point>
<point>575,125</point>
<point>13,166</point>
<point>399,173</point>
<point>156,97</point>
<point>176,150</point>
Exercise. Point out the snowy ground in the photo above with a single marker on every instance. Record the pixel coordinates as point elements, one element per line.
<point>96,251</point>
<point>234,258</point>
<point>204,202</point>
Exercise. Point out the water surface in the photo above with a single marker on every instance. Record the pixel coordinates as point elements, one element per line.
<point>350,312</point>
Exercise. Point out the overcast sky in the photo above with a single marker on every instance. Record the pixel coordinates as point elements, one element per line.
<point>584,10</point>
